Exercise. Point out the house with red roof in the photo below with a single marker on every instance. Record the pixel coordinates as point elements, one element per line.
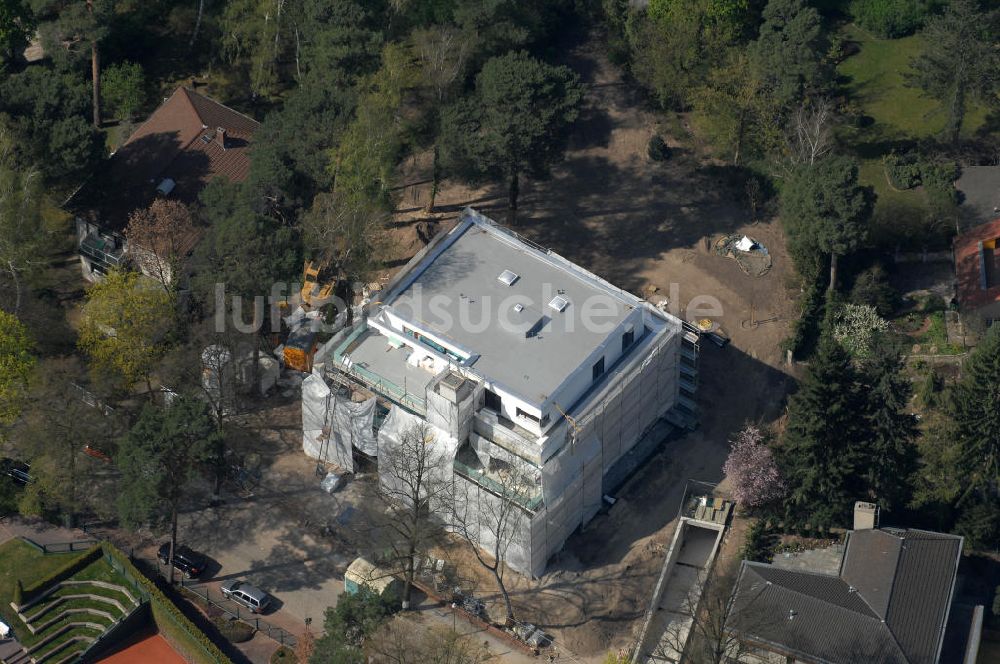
<point>977,270</point>
<point>186,143</point>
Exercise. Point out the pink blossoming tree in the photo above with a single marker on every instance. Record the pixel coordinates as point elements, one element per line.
<point>752,471</point>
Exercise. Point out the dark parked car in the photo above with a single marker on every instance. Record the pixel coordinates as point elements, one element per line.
<point>186,561</point>
<point>16,470</point>
<point>243,593</point>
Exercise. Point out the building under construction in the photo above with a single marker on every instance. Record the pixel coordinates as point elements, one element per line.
<point>543,385</point>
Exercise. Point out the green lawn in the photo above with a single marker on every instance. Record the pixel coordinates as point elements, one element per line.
<point>877,84</point>
<point>898,116</point>
<point>19,560</point>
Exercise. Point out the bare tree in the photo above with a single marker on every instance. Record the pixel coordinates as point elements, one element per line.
<point>402,642</point>
<point>491,520</point>
<point>416,488</point>
<point>197,24</point>
<point>810,132</point>
<point>346,234</point>
<point>159,237</point>
<point>701,630</point>
<point>22,236</point>
<point>443,52</point>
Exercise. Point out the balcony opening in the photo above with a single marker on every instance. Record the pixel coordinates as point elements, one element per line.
<point>493,401</point>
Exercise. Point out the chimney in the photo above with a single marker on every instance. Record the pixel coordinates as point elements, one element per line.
<point>865,515</point>
<point>220,135</point>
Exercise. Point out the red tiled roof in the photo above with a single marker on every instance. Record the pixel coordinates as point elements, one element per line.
<point>178,141</point>
<point>971,294</point>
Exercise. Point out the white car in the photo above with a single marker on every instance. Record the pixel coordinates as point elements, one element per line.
<point>249,596</point>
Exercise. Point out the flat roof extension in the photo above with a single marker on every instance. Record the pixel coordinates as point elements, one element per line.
<point>528,336</point>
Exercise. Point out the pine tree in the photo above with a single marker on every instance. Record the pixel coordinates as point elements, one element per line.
<point>974,408</point>
<point>823,449</point>
<point>892,455</point>
<point>959,62</point>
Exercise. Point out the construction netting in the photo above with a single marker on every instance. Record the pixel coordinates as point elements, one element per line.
<point>618,416</point>
<point>332,424</point>
<point>401,442</point>
<point>222,376</point>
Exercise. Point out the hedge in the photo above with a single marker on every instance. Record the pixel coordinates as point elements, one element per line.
<point>173,625</point>
<point>61,574</point>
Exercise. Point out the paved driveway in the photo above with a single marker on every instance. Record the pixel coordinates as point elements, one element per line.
<point>290,538</point>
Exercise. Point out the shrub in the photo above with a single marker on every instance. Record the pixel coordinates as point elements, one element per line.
<point>903,170</point>
<point>234,631</point>
<point>657,149</point>
<point>979,524</point>
<point>123,89</point>
<point>929,391</point>
<point>996,603</point>
<point>805,330</point>
<point>284,655</point>
<point>757,547</point>
<point>871,287</point>
<point>857,327</point>
<point>938,177</point>
<point>892,18</point>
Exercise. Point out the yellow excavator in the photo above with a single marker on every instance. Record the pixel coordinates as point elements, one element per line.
<point>312,289</point>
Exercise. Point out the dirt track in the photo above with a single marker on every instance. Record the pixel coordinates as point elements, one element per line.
<point>639,223</point>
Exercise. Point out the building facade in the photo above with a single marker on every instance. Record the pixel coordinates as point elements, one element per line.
<point>544,385</point>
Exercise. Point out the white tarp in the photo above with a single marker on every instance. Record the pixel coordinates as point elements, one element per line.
<point>217,375</point>
<point>745,244</point>
<point>321,438</point>
<point>397,423</point>
<point>352,424</point>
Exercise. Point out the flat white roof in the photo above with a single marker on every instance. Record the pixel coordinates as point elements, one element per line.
<point>528,336</point>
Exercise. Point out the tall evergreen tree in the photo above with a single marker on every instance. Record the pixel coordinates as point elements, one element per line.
<point>825,210</point>
<point>788,50</point>
<point>959,61</point>
<point>974,407</point>
<point>159,458</point>
<point>516,123</point>
<point>892,429</point>
<point>822,453</point>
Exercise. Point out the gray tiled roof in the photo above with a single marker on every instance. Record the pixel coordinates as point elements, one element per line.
<point>870,566</point>
<point>813,617</point>
<point>921,593</point>
<point>888,606</point>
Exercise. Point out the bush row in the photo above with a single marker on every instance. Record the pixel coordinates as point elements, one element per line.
<point>910,169</point>
<point>69,569</point>
<point>180,632</point>
<point>892,18</point>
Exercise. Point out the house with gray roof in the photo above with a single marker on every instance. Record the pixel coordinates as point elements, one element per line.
<point>889,603</point>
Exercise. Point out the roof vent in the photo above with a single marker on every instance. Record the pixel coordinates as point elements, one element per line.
<point>507,278</point>
<point>166,186</point>
<point>518,307</point>
<point>559,303</point>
